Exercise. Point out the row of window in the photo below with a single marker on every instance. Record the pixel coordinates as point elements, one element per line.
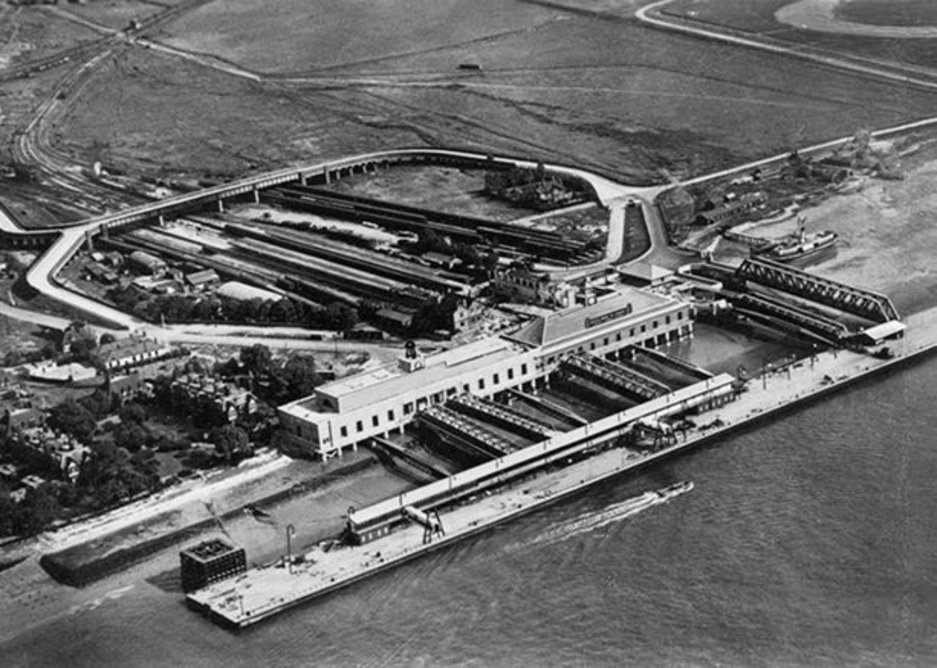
<point>439,397</point>
<point>618,337</point>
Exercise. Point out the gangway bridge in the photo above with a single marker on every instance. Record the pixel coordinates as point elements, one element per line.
<point>501,416</point>
<point>389,451</point>
<point>613,376</point>
<point>681,366</point>
<point>548,407</point>
<point>467,437</point>
<point>790,317</point>
<point>857,301</point>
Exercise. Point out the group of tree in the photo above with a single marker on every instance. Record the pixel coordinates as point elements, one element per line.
<point>210,308</point>
<point>474,261</point>
<point>274,381</point>
<point>40,507</point>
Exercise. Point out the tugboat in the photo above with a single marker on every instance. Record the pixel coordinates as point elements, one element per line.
<point>801,244</point>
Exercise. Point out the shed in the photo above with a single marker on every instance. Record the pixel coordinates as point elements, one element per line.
<point>244,292</point>
<point>147,263</point>
<point>202,279</point>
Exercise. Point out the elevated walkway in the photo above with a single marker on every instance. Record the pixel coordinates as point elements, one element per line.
<point>502,416</point>
<point>394,451</point>
<point>827,329</point>
<point>613,376</point>
<point>457,431</point>
<point>681,366</point>
<point>857,301</point>
<point>549,408</point>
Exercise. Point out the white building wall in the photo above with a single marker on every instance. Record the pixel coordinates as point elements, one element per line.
<point>328,433</point>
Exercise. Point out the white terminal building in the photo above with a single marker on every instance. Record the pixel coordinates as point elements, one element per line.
<point>346,412</point>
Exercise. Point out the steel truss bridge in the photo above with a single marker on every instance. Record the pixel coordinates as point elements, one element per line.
<point>856,301</point>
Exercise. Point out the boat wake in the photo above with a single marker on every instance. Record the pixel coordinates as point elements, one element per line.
<point>588,522</point>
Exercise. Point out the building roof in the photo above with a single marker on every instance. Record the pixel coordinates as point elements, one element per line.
<point>439,258</point>
<point>885,330</point>
<point>124,348</point>
<point>244,292</point>
<point>578,320</point>
<point>209,549</point>
<point>202,277</point>
<point>399,317</point>
<point>61,373</point>
<point>645,271</point>
<point>147,260</point>
<point>370,387</point>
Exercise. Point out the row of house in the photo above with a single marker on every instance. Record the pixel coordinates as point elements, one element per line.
<point>200,392</point>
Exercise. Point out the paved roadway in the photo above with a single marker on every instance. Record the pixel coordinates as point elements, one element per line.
<point>41,274</point>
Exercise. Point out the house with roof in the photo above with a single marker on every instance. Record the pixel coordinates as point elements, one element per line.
<point>132,351</point>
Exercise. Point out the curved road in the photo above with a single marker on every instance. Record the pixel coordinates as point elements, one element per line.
<point>42,274</point>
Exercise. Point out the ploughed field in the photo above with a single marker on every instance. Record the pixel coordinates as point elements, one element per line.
<point>615,96</point>
<point>758,16</point>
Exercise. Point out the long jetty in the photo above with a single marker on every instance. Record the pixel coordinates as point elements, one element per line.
<point>269,590</point>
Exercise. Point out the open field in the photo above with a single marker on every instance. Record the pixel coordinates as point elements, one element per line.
<point>436,188</point>
<point>29,33</point>
<point>758,16</point>
<point>251,32</point>
<point>115,14</point>
<point>154,113</point>
<point>619,98</point>
<point>912,13</point>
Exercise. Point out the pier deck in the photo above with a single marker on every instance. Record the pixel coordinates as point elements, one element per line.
<point>263,592</point>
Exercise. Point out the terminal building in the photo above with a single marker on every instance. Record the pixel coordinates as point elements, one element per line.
<point>376,403</point>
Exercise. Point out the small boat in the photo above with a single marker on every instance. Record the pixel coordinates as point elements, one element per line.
<point>675,490</point>
<point>801,244</point>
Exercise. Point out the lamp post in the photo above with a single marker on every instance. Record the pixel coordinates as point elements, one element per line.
<point>765,367</point>
<point>290,530</point>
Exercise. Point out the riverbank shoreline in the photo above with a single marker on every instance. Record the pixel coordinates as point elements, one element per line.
<point>264,592</point>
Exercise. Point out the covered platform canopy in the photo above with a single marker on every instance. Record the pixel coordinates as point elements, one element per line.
<point>892,329</point>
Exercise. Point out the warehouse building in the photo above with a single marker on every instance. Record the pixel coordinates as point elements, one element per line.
<point>346,412</point>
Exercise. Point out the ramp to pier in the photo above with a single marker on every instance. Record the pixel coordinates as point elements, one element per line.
<point>613,376</point>
<point>857,301</point>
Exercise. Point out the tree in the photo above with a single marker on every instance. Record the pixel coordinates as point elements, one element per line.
<point>297,378</point>
<point>132,413</point>
<point>38,509</point>
<point>341,316</point>
<point>105,461</point>
<point>131,436</point>
<point>145,463</point>
<point>107,338</point>
<point>256,359</point>
<point>231,442</point>
<point>82,348</point>
<point>7,512</point>
<point>72,418</point>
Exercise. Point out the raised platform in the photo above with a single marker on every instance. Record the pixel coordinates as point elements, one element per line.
<point>264,592</point>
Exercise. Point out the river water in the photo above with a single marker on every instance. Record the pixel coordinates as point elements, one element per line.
<point>807,541</point>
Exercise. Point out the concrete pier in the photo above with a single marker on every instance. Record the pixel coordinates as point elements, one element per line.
<point>266,591</point>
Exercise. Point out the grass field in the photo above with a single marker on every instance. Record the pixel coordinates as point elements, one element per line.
<point>757,16</point>
<point>611,95</point>
<point>28,33</point>
<point>115,14</point>
<point>911,13</point>
<point>251,32</point>
<point>153,113</point>
<point>436,188</point>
